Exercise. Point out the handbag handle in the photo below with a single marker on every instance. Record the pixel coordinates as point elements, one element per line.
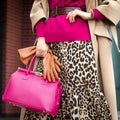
<point>31,64</point>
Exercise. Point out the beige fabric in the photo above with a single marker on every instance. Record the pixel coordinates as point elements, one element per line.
<point>22,114</point>
<point>107,74</point>
<point>110,10</point>
<point>39,10</point>
<point>101,45</point>
<point>100,40</point>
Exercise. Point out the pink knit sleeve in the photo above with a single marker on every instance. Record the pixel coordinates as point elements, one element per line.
<point>98,16</point>
<point>39,28</point>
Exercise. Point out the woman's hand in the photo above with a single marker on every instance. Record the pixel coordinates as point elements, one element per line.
<point>41,47</point>
<point>84,15</point>
<point>51,66</point>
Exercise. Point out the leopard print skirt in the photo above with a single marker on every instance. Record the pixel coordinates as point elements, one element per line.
<point>82,97</point>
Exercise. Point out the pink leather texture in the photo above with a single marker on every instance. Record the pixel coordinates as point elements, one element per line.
<point>26,89</point>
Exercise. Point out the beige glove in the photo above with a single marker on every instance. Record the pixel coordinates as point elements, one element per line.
<point>51,66</point>
<point>26,54</point>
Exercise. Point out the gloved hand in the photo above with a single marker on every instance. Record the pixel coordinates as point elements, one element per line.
<point>51,66</point>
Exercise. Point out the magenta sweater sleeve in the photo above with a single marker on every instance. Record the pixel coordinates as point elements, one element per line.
<point>39,28</point>
<point>98,16</point>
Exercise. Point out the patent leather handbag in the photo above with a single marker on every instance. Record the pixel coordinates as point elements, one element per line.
<point>28,90</point>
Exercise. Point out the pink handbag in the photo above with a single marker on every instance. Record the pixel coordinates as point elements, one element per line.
<point>28,90</point>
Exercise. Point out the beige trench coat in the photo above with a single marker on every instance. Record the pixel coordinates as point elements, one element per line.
<point>100,41</point>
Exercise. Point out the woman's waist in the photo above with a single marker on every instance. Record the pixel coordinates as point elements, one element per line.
<point>59,28</point>
<point>61,10</point>
<point>60,24</point>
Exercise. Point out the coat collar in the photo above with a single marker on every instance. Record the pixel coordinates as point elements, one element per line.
<point>91,4</point>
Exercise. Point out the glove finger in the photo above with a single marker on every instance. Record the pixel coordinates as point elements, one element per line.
<point>53,57</point>
<point>57,61</point>
<point>52,76</point>
<point>57,68</point>
<point>55,73</point>
<point>48,76</point>
<point>53,70</point>
<point>45,74</point>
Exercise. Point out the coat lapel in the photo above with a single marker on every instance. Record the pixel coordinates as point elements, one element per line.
<point>45,7</point>
<point>90,4</point>
<point>86,2</point>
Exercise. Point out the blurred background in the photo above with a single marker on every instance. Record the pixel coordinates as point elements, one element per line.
<point>15,32</point>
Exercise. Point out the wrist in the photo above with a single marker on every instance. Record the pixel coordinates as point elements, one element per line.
<point>89,16</point>
<point>92,15</point>
<point>41,39</point>
<point>86,15</point>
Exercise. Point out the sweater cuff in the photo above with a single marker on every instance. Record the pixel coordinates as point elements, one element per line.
<point>39,28</point>
<point>97,15</point>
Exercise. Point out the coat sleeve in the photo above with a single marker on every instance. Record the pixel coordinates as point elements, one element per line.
<point>37,13</point>
<point>110,9</point>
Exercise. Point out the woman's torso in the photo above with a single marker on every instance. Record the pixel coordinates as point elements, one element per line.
<point>59,29</point>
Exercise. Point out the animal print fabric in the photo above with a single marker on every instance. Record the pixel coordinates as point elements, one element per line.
<point>82,98</point>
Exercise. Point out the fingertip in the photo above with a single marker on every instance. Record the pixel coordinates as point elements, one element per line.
<point>49,79</point>
<point>54,80</point>
<point>48,76</point>
<point>44,74</point>
<point>52,76</point>
<point>44,77</point>
<point>67,17</point>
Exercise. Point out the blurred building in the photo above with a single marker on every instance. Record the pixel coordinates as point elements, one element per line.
<point>15,32</point>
